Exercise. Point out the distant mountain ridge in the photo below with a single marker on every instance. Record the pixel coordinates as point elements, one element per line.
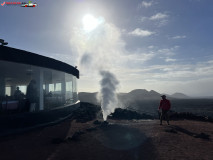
<point>179,96</point>
<point>143,94</point>
<point>134,95</point>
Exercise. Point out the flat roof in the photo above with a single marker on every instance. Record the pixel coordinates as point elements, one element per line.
<point>25,57</point>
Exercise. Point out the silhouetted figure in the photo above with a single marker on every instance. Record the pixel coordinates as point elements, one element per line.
<point>164,106</point>
<point>18,94</point>
<point>31,95</point>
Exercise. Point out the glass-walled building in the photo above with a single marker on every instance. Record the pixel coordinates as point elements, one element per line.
<point>30,82</point>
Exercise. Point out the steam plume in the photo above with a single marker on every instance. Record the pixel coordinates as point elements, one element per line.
<point>97,53</point>
<point>108,95</point>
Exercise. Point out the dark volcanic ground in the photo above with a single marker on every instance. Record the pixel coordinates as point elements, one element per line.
<point>121,139</point>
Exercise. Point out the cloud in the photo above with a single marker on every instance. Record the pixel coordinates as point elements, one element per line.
<point>137,57</point>
<point>151,47</point>
<point>146,4</point>
<point>163,22</point>
<point>200,87</point>
<point>161,19</point>
<point>172,73</point>
<point>168,51</point>
<point>142,19</point>
<point>141,33</point>
<point>167,77</point>
<point>179,37</point>
<point>210,62</point>
<point>159,16</point>
<point>135,69</point>
<point>186,72</point>
<point>170,60</point>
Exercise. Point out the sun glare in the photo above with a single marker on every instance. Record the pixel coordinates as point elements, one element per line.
<point>90,22</point>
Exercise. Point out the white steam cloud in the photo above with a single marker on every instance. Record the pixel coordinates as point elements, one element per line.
<point>109,85</point>
<point>97,52</point>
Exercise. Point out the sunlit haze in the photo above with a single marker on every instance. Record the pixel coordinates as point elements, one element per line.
<point>161,45</point>
<point>89,22</point>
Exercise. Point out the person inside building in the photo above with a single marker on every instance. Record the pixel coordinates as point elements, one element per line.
<point>164,107</point>
<point>18,94</point>
<point>31,95</point>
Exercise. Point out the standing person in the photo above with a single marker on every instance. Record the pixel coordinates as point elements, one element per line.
<point>31,95</point>
<point>165,106</point>
<point>18,93</point>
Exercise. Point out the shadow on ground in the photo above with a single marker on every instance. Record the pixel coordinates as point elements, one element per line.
<point>133,142</point>
<point>120,137</point>
<point>176,129</point>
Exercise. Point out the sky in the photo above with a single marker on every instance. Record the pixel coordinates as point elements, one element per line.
<point>161,45</point>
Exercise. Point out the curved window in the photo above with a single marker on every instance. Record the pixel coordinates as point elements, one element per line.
<point>28,88</point>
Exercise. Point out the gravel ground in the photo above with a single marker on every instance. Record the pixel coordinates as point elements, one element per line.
<point>126,140</point>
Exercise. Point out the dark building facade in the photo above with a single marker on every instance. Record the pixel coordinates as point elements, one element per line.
<point>31,83</point>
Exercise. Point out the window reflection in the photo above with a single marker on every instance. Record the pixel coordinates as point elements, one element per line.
<point>27,88</point>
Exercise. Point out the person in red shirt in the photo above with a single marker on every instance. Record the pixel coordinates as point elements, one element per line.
<point>165,106</point>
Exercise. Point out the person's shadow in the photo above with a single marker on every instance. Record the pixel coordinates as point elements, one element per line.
<point>176,129</point>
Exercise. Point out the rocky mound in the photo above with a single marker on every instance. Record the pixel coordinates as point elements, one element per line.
<point>128,115</point>
<point>189,116</point>
<point>86,112</point>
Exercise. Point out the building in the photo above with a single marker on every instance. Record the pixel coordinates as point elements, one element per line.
<point>31,83</point>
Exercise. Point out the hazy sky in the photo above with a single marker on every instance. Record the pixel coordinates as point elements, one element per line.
<point>163,45</point>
